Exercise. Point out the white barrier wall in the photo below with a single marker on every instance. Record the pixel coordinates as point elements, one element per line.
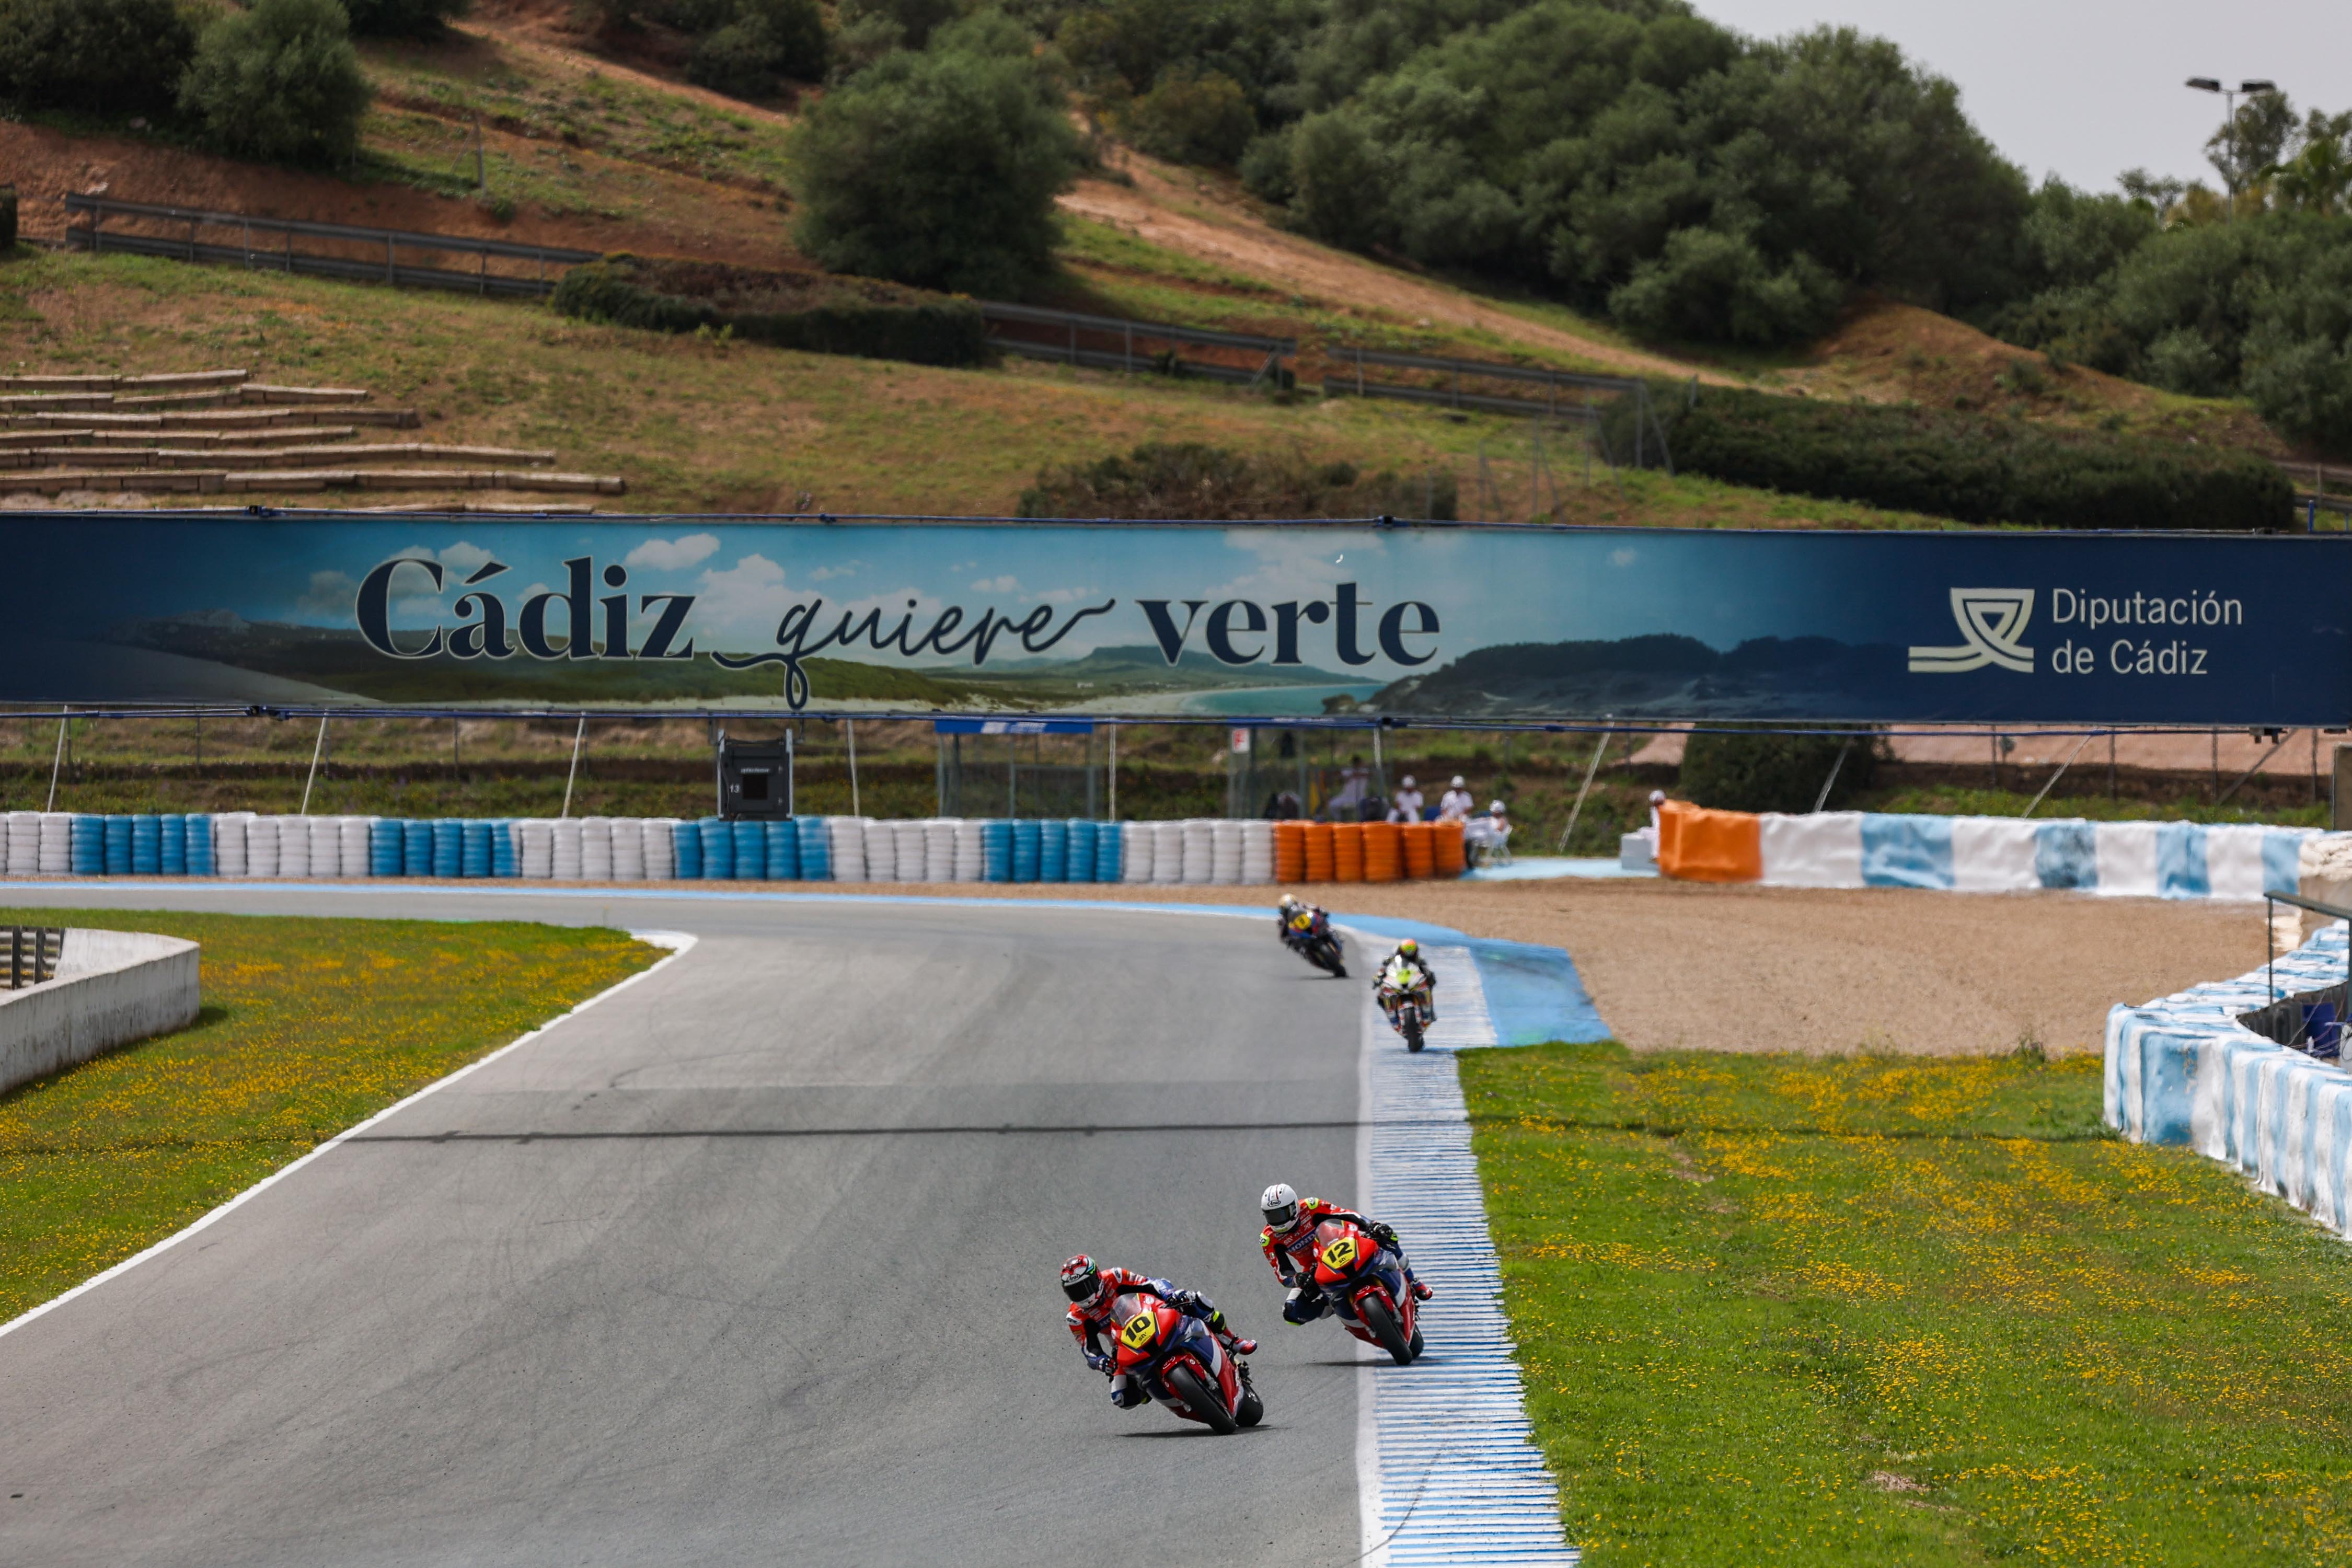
<point>2183,1070</point>
<point>112,988</point>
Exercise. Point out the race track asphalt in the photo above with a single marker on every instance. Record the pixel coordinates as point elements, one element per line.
<point>752,1263</point>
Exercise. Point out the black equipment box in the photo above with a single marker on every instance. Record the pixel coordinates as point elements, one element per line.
<point>755,778</point>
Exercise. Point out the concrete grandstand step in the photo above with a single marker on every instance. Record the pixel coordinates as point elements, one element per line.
<point>106,382</point>
<point>260,392</point>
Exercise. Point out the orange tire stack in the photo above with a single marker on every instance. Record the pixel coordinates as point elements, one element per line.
<point>1289,852</point>
<point>1450,858</point>
<point>1319,867</point>
<point>1347,851</point>
<point>1383,852</point>
<point>1420,849</point>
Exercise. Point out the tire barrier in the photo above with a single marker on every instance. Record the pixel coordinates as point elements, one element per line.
<point>1979,854</point>
<point>2187,1070</point>
<point>597,849</point>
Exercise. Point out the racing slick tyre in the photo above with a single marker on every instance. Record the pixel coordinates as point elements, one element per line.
<point>1413,1036</point>
<point>1252,1408</point>
<point>1383,1324</point>
<point>1201,1402</point>
<point>1416,1341</point>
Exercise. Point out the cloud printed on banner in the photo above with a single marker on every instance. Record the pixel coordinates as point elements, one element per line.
<point>672,555</point>
<point>328,593</point>
<point>1005,584</point>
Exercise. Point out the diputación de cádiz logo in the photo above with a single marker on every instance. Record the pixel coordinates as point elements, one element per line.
<point>1992,619</point>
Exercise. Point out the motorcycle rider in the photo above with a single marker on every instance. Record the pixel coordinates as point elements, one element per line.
<point>1408,953</point>
<point>1091,1291</point>
<point>1288,1239</point>
<point>1299,921</point>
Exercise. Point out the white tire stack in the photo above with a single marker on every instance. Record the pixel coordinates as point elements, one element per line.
<point>596,848</point>
<point>628,836</point>
<point>1199,841</point>
<point>1135,859</point>
<point>1166,852</point>
<point>325,843</point>
<point>847,838</point>
<point>970,850</point>
<point>567,849</point>
<point>352,837</point>
<point>661,848</point>
<point>1224,852</point>
<point>939,851</point>
<point>231,831</point>
<point>1257,851</point>
<point>24,843</point>
<point>881,851</point>
<point>912,850</point>
<point>285,842</point>
<point>535,848</point>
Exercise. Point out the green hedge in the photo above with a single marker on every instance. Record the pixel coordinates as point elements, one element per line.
<point>822,316</point>
<point>1971,467</point>
<point>1738,772</point>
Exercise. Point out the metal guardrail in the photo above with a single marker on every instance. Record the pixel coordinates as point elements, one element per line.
<point>1072,323</point>
<point>1645,424</point>
<point>34,953</point>
<point>1337,387</point>
<point>95,238</point>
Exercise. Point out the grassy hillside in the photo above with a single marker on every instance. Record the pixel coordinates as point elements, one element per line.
<point>702,424</point>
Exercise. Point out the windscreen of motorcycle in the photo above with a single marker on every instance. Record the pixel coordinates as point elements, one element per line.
<point>1341,1249</point>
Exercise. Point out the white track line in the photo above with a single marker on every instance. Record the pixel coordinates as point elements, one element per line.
<point>1447,1467</point>
<point>679,942</point>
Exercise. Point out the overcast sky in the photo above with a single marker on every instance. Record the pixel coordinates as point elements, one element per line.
<point>2087,88</point>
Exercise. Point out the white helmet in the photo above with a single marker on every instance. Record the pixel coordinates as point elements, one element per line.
<point>1498,809</point>
<point>1457,781</point>
<point>1408,781</point>
<point>1279,1203</point>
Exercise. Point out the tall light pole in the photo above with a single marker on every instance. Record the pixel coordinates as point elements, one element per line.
<point>2230,119</point>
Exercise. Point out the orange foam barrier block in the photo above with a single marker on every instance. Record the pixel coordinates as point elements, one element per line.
<point>1319,864</point>
<point>1347,851</point>
<point>1701,845</point>
<point>1383,852</point>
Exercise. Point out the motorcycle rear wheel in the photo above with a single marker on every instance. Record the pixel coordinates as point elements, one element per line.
<point>1202,1402</point>
<point>1252,1408</point>
<point>1383,1324</point>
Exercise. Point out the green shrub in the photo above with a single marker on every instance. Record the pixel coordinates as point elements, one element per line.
<point>939,168</point>
<point>1971,467</point>
<point>108,55</point>
<point>819,315</point>
<point>279,82</point>
<point>1738,772</point>
<point>401,18</point>
<point>766,40</point>
<point>1192,481</point>
<point>1190,119</point>
<point>912,21</point>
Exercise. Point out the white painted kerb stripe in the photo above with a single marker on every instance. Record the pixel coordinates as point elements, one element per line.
<point>1447,1467</point>
<point>677,942</point>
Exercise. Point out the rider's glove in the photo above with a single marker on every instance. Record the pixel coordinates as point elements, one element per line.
<point>1383,1235</point>
<point>1099,1362</point>
<point>1185,1301</point>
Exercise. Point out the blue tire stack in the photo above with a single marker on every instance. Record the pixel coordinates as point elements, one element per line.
<point>996,851</point>
<point>718,849</point>
<point>448,848</point>
<point>1110,854</point>
<point>117,839</point>
<point>816,848</point>
<point>416,850</point>
<point>686,852</point>
<point>1052,851</point>
<point>1083,850</point>
<point>172,851</point>
<point>146,845</point>
<point>506,860</point>
<point>386,837</point>
<point>200,847</point>
<point>472,848</point>
<point>87,838</point>
<point>1024,851</point>
<point>751,845</point>
<point>783,839</point>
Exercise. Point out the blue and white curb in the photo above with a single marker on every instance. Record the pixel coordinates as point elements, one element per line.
<point>1446,1467</point>
<point>2183,1070</point>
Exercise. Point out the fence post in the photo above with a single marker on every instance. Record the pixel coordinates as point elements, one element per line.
<point>97,223</point>
<point>191,239</point>
<point>389,274</point>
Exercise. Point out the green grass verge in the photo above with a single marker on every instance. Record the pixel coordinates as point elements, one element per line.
<point>1904,1309</point>
<point>308,1026</point>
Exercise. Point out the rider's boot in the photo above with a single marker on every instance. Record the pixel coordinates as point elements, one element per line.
<point>1232,1342</point>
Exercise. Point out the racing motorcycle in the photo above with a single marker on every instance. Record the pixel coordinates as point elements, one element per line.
<point>1177,1362</point>
<point>1403,994</point>
<point>1366,1286</point>
<point>1319,945</point>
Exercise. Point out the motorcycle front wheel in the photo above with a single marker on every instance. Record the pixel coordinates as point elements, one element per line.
<point>1383,1324</point>
<point>1202,1402</point>
<point>1413,1036</point>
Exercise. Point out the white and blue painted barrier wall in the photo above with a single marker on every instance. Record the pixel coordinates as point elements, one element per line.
<point>2002,854</point>
<point>629,848</point>
<point>2183,1070</point>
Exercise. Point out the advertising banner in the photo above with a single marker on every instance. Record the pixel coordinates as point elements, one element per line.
<point>1254,620</point>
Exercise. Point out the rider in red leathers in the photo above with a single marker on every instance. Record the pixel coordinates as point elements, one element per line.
<point>1288,1239</point>
<point>1091,1291</point>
